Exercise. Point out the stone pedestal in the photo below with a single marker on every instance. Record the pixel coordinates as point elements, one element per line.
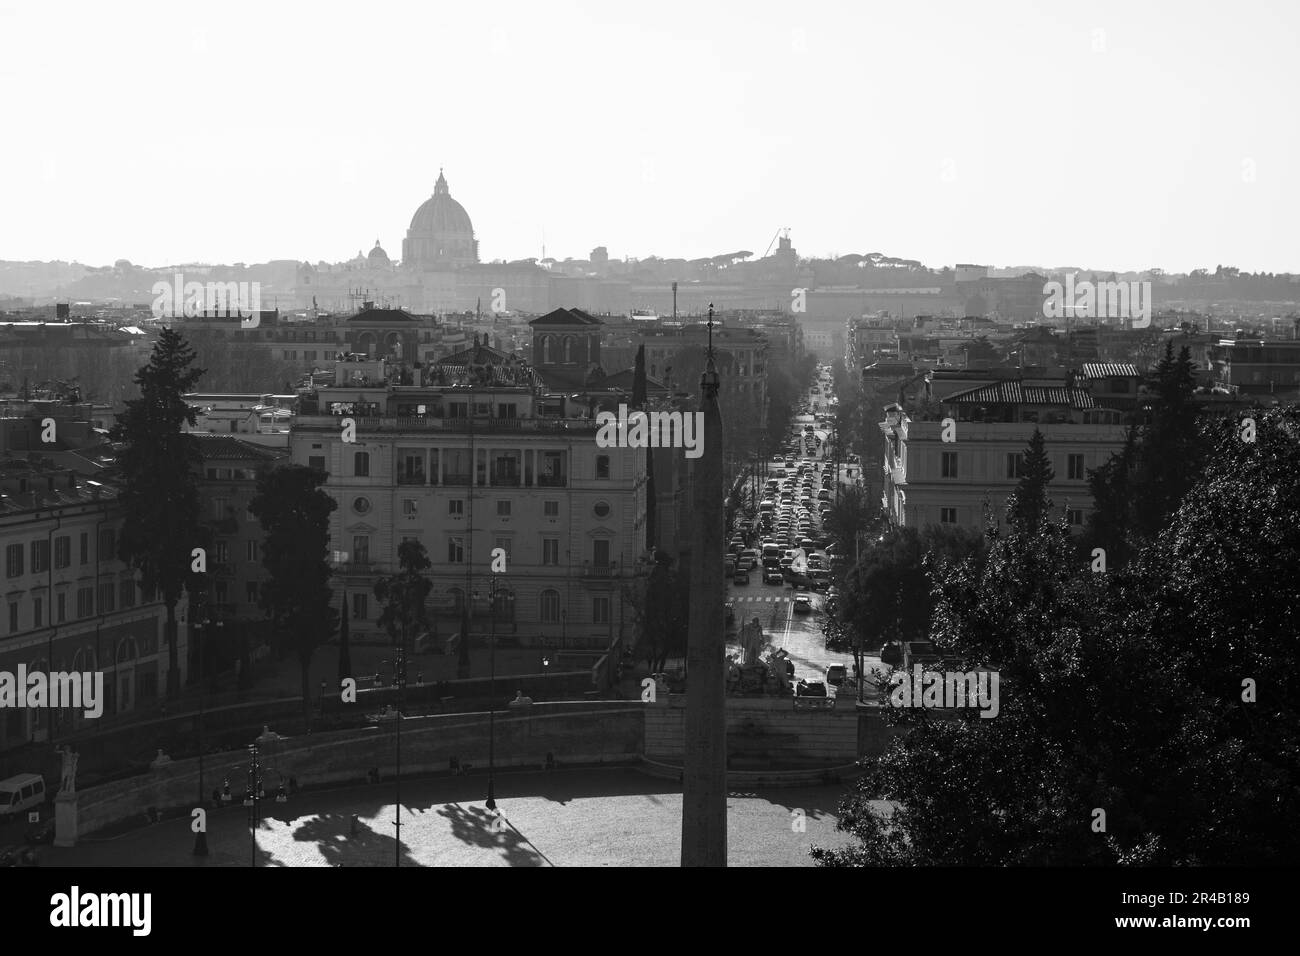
<point>65,819</point>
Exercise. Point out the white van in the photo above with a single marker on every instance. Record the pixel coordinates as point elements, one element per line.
<point>19,793</point>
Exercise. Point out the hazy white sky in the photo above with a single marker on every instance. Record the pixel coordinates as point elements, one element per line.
<point>1125,135</point>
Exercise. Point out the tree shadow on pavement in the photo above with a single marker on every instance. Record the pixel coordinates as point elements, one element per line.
<point>332,834</point>
<point>477,826</point>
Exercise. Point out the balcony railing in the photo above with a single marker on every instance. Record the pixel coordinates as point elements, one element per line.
<point>600,571</point>
<point>552,481</point>
<point>397,423</point>
<point>416,478</point>
<point>449,479</point>
<point>505,481</point>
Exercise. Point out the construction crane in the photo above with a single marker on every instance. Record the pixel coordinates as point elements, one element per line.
<point>783,229</point>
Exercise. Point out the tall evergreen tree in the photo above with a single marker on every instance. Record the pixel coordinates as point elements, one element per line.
<point>295,514</point>
<point>160,466</point>
<point>1028,507</point>
<point>638,378</point>
<point>345,650</point>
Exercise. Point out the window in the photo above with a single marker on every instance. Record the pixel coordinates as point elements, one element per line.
<point>1074,516</point>
<point>504,545</point>
<point>85,547</point>
<point>13,617</point>
<point>40,556</point>
<point>361,549</point>
<point>551,509</point>
<point>126,593</point>
<point>361,464</point>
<point>38,613</point>
<point>947,515</point>
<point>1015,464</point>
<point>251,590</point>
<point>602,466</point>
<point>251,550</point>
<point>410,507</point>
<point>85,602</point>
<point>361,606</point>
<point>455,550</point>
<point>14,560</point>
<point>507,410</point>
<point>503,508</point>
<point>600,610</point>
<point>949,464</point>
<point>551,551</point>
<point>1074,467</point>
<point>107,544</point>
<point>456,506</point>
<point>600,552</point>
<point>601,509</point>
<point>62,551</point>
<point>219,508</point>
<point>317,462</point>
<point>107,598</point>
<point>549,607</point>
<point>60,608</point>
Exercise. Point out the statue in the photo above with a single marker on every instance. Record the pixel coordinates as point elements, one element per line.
<point>68,782</point>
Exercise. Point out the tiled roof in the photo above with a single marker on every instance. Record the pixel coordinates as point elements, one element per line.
<point>229,447</point>
<point>566,317</point>
<point>1014,393</point>
<point>1110,370</point>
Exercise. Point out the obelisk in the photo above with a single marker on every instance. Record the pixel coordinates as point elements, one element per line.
<point>704,774</point>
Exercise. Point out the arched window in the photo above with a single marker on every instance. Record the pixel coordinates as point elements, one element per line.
<point>549,607</point>
<point>548,356</point>
<point>568,348</point>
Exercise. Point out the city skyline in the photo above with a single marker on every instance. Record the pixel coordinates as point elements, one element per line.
<point>600,141</point>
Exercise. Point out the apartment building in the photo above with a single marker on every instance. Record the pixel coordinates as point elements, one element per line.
<point>927,480</point>
<point>69,603</point>
<point>479,456</point>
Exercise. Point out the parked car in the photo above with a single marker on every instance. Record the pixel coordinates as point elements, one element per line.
<point>835,674</point>
<point>740,577</point>
<point>810,688</point>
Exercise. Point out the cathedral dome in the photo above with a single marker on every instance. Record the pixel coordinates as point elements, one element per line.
<point>440,214</point>
<point>378,258</point>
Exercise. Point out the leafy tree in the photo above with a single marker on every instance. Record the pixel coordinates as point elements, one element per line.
<point>294,513</point>
<point>888,594</point>
<point>404,596</point>
<point>1166,693</point>
<point>851,515</point>
<point>160,465</point>
<point>1136,493</point>
<point>661,606</point>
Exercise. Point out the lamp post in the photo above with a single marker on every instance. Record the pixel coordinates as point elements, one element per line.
<point>200,838</point>
<point>491,803</point>
<point>253,800</point>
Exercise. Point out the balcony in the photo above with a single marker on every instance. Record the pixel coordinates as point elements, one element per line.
<point>552,481</point>
<point>413,478</point>
<point>450,479</point>
<point>505,481</point>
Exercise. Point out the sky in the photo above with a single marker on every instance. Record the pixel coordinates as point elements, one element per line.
<point>1122,135</point>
